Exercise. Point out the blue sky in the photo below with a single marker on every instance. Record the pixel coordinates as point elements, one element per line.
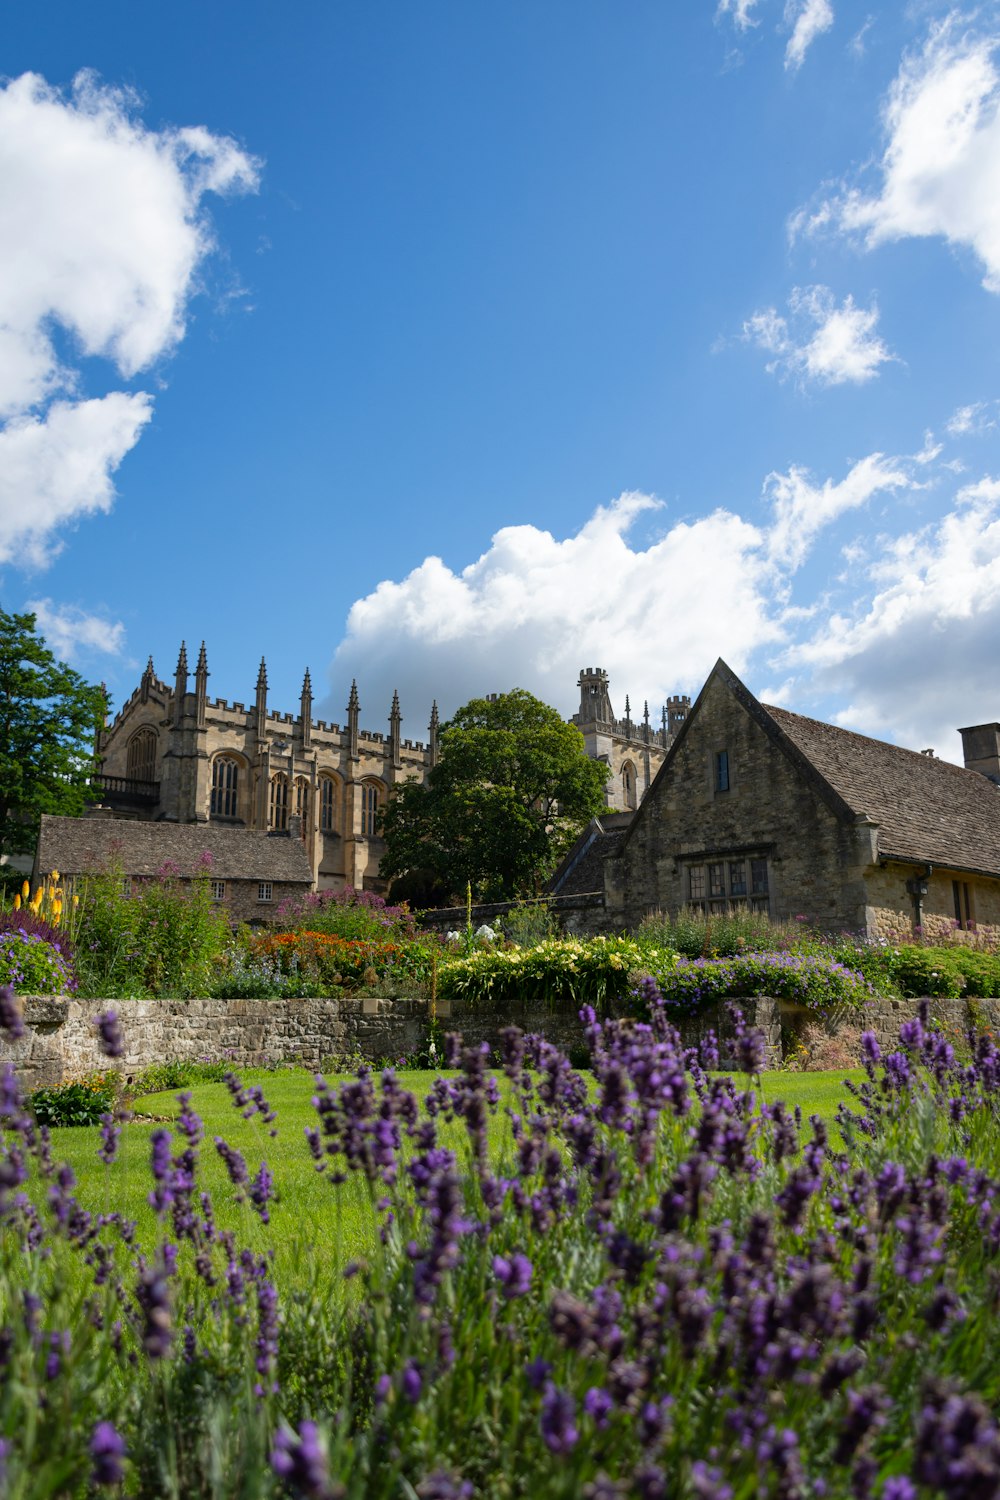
<point>454,348</point>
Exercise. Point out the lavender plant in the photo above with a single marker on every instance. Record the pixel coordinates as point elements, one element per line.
<point>660,1286</point>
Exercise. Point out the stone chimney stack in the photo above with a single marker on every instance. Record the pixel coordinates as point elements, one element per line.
<point>981,749</point>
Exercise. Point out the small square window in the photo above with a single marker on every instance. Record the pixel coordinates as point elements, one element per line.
<point>722,771</point>
<point>264,891</point>
<point>218,890</point>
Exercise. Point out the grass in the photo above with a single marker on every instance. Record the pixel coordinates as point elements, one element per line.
<point>312,1223</point>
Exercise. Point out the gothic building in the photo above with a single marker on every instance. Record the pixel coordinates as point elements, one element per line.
<point>178,756</point>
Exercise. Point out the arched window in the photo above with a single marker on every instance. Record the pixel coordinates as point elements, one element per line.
<point>140,757</point>
<point>328,818</point>
<point>302,802</point>
<point>628,784</point>
<point>369,808</point>
<point>279,802</point>
<point>225,787</point>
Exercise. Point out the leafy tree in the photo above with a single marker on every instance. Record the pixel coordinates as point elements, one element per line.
<point>48,718</point>
<point>512,788</point>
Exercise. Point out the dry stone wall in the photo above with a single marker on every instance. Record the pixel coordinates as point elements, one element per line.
<point>61,1041</point>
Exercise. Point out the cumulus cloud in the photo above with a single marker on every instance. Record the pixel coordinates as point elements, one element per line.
<point>534,609</point>
<point>70,631</point>
<point>102,232</point>
<point>973,420</point>
<point>802,508</point>
<point>918,658</point>
<point>939,174</point>
<point>820,341</point>
<point>808,20</point>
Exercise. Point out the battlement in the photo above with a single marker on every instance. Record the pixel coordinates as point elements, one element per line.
<point>593,674</point>
<point>679,700</point>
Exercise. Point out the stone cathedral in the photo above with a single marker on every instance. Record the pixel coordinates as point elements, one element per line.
<point>178,756</point>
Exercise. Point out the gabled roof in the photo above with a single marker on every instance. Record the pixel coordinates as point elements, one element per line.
<point>928,810</point>
<point>581,872</point>
<point>76,845</point>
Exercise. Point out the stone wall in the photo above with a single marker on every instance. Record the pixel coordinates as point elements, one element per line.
<point>61,1040</point>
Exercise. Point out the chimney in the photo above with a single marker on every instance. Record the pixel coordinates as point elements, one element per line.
<point>981,749</point>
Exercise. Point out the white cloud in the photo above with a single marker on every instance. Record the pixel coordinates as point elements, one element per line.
<point>808,19</point>
<point>534,609</point>
<point>973,420</point>
<point>102,232</point>
<point>940,169</point>
<point>70,631</point>
<point>802,508</point>
<point>741,12</point>
<point>821,341</point>
<point>918,657</point>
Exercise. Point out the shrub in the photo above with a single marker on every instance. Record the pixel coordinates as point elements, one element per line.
<point>819,1050</point>
<point>808,979</point>
<point>356,915</point>
<point>33,965</point>
<point>928,971</point>
<point>330,962</point>
<point>529,923</point>
<point>80,1101</point>
<point>163,936</point>
<point>558,971</point>
<point>697,934</point>
<point>253,974</point>
<point>159,1077</point>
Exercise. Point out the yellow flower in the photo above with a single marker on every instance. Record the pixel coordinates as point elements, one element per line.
<point>55,876</point>
<point>17,903</point>
<point>26,890</point>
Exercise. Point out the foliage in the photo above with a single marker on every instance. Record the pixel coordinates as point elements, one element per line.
<point>249,973</point>
<point>592,971</point>
<point>335,963</point>
<point>48,718</point>
<point>348,913</point>
<point>698,934</point>
<point>33,965</point>
<point>161,936</point>
<point>660,1287</point>
<point>813,980</point>
<point>79,1101</point>
<point>528,923</point>
<point>511,789</point>
<point>177,1074</point>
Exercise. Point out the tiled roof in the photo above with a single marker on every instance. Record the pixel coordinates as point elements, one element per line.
<point>928,810</point>
<point>582,870</point>
<point>74,845</point>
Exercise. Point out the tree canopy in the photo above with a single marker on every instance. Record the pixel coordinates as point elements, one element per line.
<point>48,718</point>
<point>512,788</point>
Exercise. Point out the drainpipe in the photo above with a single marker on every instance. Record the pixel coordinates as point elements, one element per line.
<point>917,888</point>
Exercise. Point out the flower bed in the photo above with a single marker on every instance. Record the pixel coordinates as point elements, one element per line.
<point>808,979</point>
<point>594,971</point>
<point>345,962</point>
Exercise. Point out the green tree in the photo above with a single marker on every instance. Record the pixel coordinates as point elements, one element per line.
<point>48,718</point>
<point>512,788</point>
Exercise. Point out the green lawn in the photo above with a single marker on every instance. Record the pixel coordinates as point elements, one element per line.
<point>311,1221</point>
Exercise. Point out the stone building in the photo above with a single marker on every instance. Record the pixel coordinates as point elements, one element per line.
<point>175,755</point>
<point>754,806</point>
<point>635,751</point>
<point>251,872</point>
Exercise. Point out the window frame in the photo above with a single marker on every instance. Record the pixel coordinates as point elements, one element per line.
<point>727,880</point>
<point>265,890</point>
<point>228,795</point>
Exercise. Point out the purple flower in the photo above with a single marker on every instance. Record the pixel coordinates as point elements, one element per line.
<point>514,1274</point>
<point>107,1449</point>
<point>110,1132</point>
<point>412,1383</point>
<point>300,1460</point>
<point>558,1420</point>
<point>598,1404</point>
<point>111,1041</point>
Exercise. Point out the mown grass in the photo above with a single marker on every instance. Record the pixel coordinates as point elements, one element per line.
<point>313,1223</point>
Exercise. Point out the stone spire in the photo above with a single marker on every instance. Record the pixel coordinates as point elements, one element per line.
<point>261,700</point>
<point>433,732</point>
<point>201,687</point>
<point>180,684</point>
<point>628,716</point>
<point>645,720</point>
<point>395,718</point>
<point>353,711</point>
<point>663,727</point>
<point>306,710</point>
<point>148,678</point>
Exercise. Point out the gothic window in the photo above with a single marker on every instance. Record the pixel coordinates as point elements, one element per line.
<point>225,787</point>
<point>328,804</point>
<point>302,802</point>
<point>628,784</point>
<point>369,808</point>
<point>278,817</point>
<point>140,757</point>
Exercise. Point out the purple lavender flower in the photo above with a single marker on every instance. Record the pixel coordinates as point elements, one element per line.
<point>11,1020</point>
<point>110,1133</point>
<point>412,1383</point>
<point>899,1488</point>
<point>513,1274</point>
<point>558,1420</point>
<point>110,1038</point>
<point>598,1405</point>
<point>107,1449</point>
<point>300,1460</point>
<point>153,1296</point>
